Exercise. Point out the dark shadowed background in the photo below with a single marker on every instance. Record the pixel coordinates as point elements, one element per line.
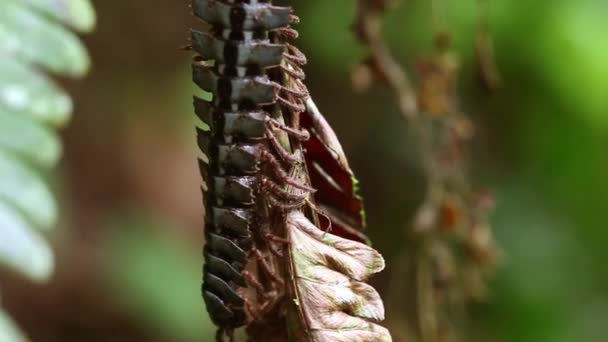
<point>129,243</point>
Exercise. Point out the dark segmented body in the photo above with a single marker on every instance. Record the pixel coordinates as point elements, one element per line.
<point>236,64</point>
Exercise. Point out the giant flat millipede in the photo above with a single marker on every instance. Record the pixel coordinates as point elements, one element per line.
<point>249,167</point>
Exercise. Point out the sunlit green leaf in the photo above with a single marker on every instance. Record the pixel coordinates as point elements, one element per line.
<point>32,41</point>
<point>24,188</point>
<point>8,330</point>
<point>31,37</point>
<point>24,90</point>
<point>29,139</point>
<point>79,14</point>
<point>23,248</point>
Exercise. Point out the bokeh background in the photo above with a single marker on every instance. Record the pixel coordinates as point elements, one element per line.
<point>129,243</point>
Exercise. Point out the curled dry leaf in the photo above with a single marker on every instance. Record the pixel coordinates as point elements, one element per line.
<point>337,188</point>
<point>328,274</point>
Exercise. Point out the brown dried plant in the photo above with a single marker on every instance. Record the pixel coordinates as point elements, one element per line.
<point>449,248</point>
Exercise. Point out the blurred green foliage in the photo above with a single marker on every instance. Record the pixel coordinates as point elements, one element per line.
<point>158,277</point>
<point>33,40</point>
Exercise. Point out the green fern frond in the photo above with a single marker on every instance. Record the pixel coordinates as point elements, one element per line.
<point>33,39</point>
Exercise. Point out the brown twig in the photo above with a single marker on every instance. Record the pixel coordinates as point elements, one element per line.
<point>380,62</point>
<point>487,71</point>
<point>450,211</point>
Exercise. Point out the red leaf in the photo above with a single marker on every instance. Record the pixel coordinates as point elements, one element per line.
<point>333,178</point>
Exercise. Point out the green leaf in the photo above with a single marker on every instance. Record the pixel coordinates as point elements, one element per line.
<point>29,92</point>
<point>31,41</point>
<point>32,38</point>
<point>23,136</point>
<point>79,14</point>
<point>22,248</point>
<point>23,188</point>
<point>8,330</point>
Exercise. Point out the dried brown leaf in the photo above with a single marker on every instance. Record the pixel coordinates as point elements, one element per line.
<point>328,274</point>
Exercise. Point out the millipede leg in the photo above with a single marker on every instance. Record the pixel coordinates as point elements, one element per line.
<point>254,312</point>
<point>275,250</point>
<point>281,174</point>
<point>298,60</point>
<point>293,72</point>
<point>301,135</point>
<point>266,266</point>
<point>250,279</point>
<point>283,206</point>
<point>275,238</point>
<point>287,33</point>
<point>295,55</point>
<point>275,189</point>
<point>322,213</point>
<point>299,108</point>
<point>297,93</point>
<point>290,158</point>
<point>273,301</point>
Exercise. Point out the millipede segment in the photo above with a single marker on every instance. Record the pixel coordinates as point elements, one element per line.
<point>241,61</point>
